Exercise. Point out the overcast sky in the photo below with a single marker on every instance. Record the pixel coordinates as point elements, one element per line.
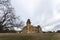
<point>41,12</point>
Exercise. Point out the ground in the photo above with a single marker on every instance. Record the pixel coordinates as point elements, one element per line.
<point>34,36</point>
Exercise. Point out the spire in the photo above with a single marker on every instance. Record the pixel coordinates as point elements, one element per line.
<point>28,21</point>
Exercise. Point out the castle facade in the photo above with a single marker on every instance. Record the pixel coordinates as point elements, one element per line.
<point>30,28</point>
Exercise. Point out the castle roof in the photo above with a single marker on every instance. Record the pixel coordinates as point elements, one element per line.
<point>28,21</point>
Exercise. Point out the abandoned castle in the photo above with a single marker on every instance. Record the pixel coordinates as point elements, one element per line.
<point>30,28</point>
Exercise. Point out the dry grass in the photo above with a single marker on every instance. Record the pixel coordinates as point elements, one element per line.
<point>34,36</point>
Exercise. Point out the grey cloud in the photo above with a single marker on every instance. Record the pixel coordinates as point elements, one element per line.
<point>40,11</point>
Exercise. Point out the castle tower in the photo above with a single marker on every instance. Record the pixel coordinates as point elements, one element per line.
<point>28,25</point>
<point>39,29</point>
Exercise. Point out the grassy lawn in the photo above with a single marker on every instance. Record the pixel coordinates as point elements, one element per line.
<point>36,36</point>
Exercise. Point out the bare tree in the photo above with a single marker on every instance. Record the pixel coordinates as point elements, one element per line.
<point>7,17</point>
